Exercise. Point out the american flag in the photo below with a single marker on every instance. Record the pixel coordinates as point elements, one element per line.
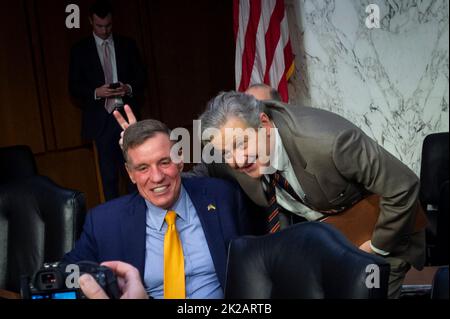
<point>263,48</point>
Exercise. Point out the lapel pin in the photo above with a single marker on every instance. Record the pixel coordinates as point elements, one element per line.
<point>211,207</point>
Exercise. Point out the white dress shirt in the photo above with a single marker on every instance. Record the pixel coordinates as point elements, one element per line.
<point>282,163</point>
<point>200,274</point>
<point>110,42</point>
<point>112,52</point>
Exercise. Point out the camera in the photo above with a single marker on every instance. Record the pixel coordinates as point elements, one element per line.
<point>60,281</point>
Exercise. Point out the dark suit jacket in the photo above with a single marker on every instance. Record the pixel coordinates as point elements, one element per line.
<point>86,74</point>
<point>336,163</point>
<point>116,230</point>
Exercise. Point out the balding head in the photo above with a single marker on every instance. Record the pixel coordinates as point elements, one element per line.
<point>263,92</point>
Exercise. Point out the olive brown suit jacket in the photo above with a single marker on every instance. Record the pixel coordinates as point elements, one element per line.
<point>336,164</point>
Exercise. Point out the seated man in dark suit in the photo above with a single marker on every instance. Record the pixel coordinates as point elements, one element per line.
<point>174,231</point>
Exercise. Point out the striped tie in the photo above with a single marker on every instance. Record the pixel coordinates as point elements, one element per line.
<point>273,210</point>
<point>277,179</point>
<point>284,184</point>
<point>108,71</point>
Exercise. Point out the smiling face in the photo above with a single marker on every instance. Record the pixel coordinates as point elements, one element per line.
<point>244,148</point>
<point>156,176</point>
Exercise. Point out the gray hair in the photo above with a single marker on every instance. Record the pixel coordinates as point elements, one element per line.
<point>231,104</point>
<point>137,133</point>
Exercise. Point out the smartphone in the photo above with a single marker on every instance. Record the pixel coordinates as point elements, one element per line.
<point>114,85</point>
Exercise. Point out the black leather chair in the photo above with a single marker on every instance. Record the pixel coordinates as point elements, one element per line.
<point>39,222</point>
<point>16,162</point>
<point>441,250</point>
<point>309,260</point>
<point>440,289</point>
<point>434,173</point>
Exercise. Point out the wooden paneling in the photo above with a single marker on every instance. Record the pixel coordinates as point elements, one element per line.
<point>187,47</point>
<point>72,169</point>
<point>19,108</point>
<point>56,41</point>
<point>221,48</point>
<point>192,42</point>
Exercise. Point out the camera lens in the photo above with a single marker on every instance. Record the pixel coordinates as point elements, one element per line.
<point>48,278</point>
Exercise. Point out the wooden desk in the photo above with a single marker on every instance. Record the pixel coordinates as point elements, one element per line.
<point>5,294</point>
<point>418,284</point>
<point>422,277</point>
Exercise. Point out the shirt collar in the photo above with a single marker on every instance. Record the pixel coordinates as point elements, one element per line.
<point>280,158</point>
<point>156,214</point>
<point>99,41</point>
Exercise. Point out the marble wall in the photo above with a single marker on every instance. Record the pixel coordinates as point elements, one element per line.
<point>391,81</point>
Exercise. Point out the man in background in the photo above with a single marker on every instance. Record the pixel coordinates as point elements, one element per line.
<point>263,92</point>
<point>105,72</point>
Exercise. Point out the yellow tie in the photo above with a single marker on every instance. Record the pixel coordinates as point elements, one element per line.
<point>174,284</point>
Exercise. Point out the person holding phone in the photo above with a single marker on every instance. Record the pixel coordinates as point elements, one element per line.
<point>105,73</point>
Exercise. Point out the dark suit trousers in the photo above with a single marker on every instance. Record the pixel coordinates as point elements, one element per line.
<point>110,158</point>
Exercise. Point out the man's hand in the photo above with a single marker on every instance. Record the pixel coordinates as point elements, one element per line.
<point>124,89</point>
<point>91,288</point>
<point>123,122</point>
<point>366,247</point>
<point>105,92</point>
<point>128,279</point>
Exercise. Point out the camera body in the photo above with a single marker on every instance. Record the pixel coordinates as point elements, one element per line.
<point>60,281</point>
